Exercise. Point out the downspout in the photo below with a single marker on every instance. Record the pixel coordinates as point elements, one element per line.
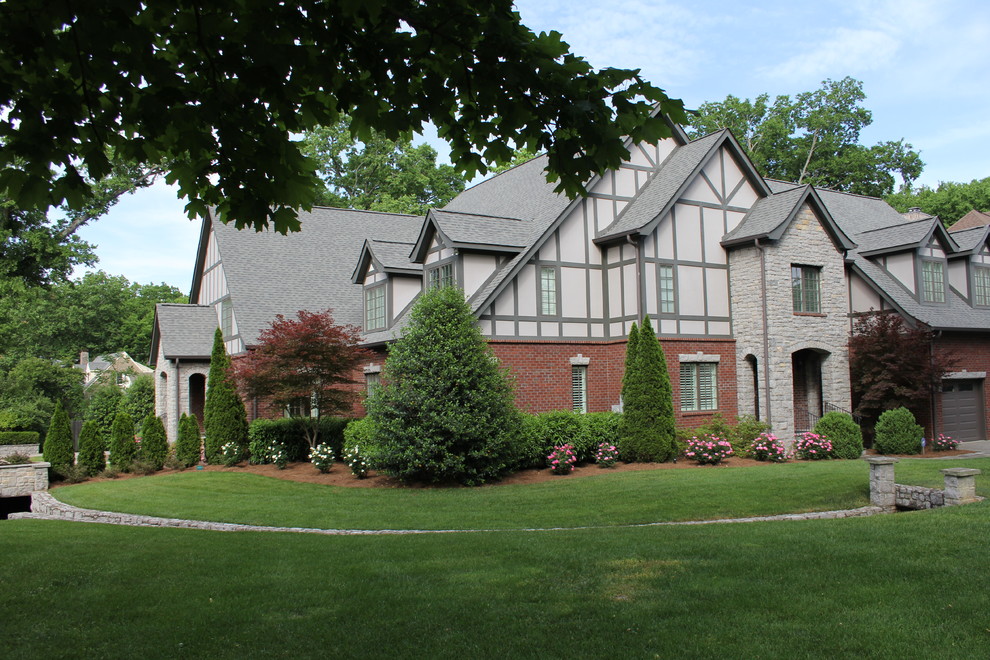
<point>639,277</point>
<point>931,385</point>
<point>766,335</point>
<point>178,403</point>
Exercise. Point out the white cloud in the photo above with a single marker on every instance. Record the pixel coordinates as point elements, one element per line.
<point>846,52</point>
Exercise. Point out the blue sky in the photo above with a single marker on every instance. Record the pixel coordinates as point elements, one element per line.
<point>923,63</point>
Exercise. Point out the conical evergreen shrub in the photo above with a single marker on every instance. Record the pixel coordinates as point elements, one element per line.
<point>224,417</point>
<point>154,445</point>
<point>187,445</point>
<point>102,409</point>
<point>632,346</point>
<point>123,449</point>
<point>444,411</point>
<point>92,450</point>
<point>58,441</point>
<point>647,427</point>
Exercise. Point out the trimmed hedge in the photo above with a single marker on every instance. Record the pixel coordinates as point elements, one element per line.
<point>844,434</point>
<point>740,435</point>
<point>583,431</point>
<point>897,433</point>
<point>361,433</point>
<point>20,438</point>
<point>290,433</point>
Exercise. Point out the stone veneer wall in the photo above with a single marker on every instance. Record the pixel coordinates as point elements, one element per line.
<point>7,450</point>
<point>21,480</point>
<point>806,243</point>
<point>172,401</point>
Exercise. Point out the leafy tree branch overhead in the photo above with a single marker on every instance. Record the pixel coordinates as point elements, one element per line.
<point>217,91</point>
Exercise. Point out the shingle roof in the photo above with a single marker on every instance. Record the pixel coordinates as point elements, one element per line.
<point>269,274</point>
<point>662,190</point>
<point>970,239</point>
<point>393,254</point>
<point>972,219</point>
<point>186,331</point>
<point>766,215</point>
<point>475,229</point>
<point>904,236</point>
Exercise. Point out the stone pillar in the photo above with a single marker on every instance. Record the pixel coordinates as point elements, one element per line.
<point>960,485</point>
<point>882,489</point>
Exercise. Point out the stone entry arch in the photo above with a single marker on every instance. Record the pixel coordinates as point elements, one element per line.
<point>808,393</point>
<point>197,396</point>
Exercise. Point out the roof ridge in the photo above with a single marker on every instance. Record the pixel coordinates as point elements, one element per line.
<point>338,208</point>
<point>381,240</point>
<point>901,225</point>
<point>482,215</point>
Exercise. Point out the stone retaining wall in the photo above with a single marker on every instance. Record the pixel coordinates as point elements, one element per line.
<point>21,480</point>
<point>7,450</point>
<point>960,487</point>
<point>918,497</point>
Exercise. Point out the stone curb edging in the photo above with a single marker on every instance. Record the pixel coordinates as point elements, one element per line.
<point>46,507</point>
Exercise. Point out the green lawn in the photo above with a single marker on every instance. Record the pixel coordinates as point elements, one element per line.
<point>609,499</point>
<point>910,585</point>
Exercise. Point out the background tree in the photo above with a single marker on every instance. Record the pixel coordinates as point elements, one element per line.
<point>519,156</point>
<point>58,441</point>
<point>949,201</point>
<point>892,365</point>
<point>224,417</point>
<point>29,390</point>
<point>188,444</point>
<point>444,411</point>
<point>97,312</point>
<point>217,91</point>
<point>813,138</point>
<point>104,402</point>
<point>123,449</point>
<point>310,357</point>
<point>154,446</point>
<point>92,449</point>
<point>377,173</point>
<point>139,398</point>
<point>646,431</point>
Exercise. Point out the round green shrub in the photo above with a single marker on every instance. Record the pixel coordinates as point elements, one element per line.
<point>599,427</point>
<point>58,441</point>
<point>897,433</point>
<point>92,456</point>
<point>154,445</point>
<point>843,432</point>
<point>359,439</point>
<point>557,428</point>
<point>187,444</point>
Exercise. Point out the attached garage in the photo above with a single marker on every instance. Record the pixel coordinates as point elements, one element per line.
<point>963,409</point>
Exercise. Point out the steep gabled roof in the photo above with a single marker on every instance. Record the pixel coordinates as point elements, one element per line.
<point>389,256</point>
<point>672,179</point>
<point>771,216</point>
<point>270,274</point>
<point>907,236</point>
<point>184,331</point>
<point>473,230</point>
<point>971,241</point>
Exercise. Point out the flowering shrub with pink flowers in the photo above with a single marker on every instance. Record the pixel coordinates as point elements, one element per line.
<point>562,459</point>
<point>708,449</point>
<point>766,447</point>
<point>607,455</point>
<point>813,447</point>
<point>944,443</point>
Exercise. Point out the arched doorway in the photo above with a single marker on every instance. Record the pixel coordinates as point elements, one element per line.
<point>197,396</point>
<point>806,369</point>
<point>754,367</point>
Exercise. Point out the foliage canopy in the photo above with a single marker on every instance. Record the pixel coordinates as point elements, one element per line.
<point>216,92</point>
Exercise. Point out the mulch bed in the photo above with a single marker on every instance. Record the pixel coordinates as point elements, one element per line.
<point>341,475</point>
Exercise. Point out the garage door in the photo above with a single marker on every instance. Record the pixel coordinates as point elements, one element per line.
<point>962,409</point>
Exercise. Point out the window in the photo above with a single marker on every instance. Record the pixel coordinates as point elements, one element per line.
<point>301,407</point>
<point>374,308</point>
<point>806,289</point>
<point>699,389</point>
<point>371,381</point>
<point>442,276</point>
<point>226,318</point>
<point>579,388</point>
<point>666,283</point>
<point>981,285</point>
<point>548,291</point>
<point>932,282</point>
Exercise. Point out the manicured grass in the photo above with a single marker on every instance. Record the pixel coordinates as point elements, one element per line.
<point>609,499</point>
<point>911,585</point>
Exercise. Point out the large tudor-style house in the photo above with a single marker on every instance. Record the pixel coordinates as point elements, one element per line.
<point>752,285</point>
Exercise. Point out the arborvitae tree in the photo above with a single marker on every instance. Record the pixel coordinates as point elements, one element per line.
<point>123,450</point>
<point>92,456</point>
<point>139,398</point>
<point>444,411</point>
<point>187,445</point>
<point>102,410</point>
<point>154,445</point>
<point>647,431</point>
<point>58,441</point>
<point>631,347</point>
<point>225,419</point>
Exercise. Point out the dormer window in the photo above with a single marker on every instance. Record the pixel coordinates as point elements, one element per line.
<point>374,308</point>
<point>981,286</point>
<point>932,281</point>
<point>442,276</point>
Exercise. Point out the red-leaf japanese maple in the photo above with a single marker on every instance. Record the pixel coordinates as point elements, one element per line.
<point>309,358</point>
